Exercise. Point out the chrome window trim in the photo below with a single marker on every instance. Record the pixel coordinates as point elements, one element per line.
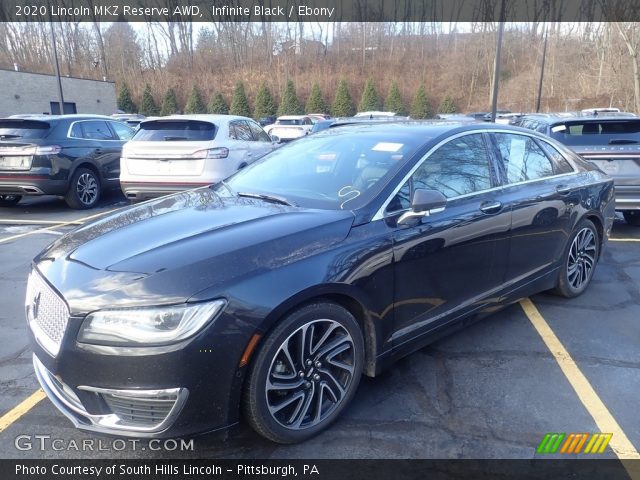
<point>91,139</point>
<point>380,214</point>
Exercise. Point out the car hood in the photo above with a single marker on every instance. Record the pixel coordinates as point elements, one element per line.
<point>167,250</point>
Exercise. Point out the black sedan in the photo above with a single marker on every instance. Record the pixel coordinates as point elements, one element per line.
<point>75,156</point>
<point>268,295</point>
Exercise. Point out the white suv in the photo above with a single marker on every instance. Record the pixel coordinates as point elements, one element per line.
<point>175,153</point>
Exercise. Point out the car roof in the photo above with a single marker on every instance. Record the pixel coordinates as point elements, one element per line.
<point>291,117</point>
<point>57,118</point>
<point>428,128</point>
<point>562,117</point>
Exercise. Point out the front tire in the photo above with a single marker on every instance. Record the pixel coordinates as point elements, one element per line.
<point>579,261</point>
<point>632,217</point>
<point>305,373</point>
<point>84,189</point>
<point>9,200</point>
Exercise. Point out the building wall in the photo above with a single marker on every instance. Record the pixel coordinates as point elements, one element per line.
<point>23,92</point>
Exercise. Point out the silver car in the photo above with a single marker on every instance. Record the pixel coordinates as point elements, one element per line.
<point>175,153</point>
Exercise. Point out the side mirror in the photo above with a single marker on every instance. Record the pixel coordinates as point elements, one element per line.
<point>423,203</point>
<point>275,138</point>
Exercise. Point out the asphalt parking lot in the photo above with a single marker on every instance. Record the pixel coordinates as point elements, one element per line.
<point>491,391</point>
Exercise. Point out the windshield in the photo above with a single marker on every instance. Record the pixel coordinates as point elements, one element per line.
<point>297,121</point>
<point>335,170</point>
<point>605,132</point>
<point>19,128</point>
<point>175,130</point>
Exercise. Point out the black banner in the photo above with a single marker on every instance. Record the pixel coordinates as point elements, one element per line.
<point>315,469</point>
<point>319,10</point>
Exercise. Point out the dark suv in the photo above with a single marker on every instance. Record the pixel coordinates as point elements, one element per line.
<point>611,141</point>
<point>75,156</point>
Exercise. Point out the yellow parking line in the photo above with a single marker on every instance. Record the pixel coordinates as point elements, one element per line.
<point>18,411</point>
<point>15,221</point>
<point>624,239</point>
<point>64,224</point>
<point>620,444</point>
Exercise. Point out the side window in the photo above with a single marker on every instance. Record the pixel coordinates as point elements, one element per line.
<point>560,164</point>
<point>258,133</point>
<point>307,121</point>
<point>76,130</point>
<point>242,131</point>
<point>459,167</point>
<point>541,127</point>
<point>96,130</point>
<point>522,158</point>
<point>122,131</point>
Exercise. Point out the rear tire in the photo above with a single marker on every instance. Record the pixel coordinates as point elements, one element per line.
<point>579,260</point>
<point>84,189</point>
<point>305,373</point>
<point>9,200</point>
<point>632,217</point>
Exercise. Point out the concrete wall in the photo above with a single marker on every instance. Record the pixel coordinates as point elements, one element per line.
<point>22,92</point>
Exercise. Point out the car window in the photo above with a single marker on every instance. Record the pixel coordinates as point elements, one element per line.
<point>175,130</point>
<point>459,167</point>
<point>601,132</point>
<point>541,127</point>
<point>560,164</point>
<point>241,131</point>
<point>258,133</point>
<point>95,130</point>
<point>123,132</point>
<point>522,158</point>
<point>17,128</point>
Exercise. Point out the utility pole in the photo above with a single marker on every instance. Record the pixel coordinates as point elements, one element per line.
<point>496,65</point>
<point>544,57</point>
<point>57,67</point>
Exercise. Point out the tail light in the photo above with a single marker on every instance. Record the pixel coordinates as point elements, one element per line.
<point>43,150</point>
<point>220,152</point>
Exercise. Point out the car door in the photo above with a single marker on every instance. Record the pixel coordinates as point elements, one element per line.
<point>241,139</point>
<point>262,142</point>
<point>541,195</point>
<point>454,261</point>
<point>106,150</point>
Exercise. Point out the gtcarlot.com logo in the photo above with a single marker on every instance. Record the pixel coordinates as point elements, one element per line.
<point>47,442</point>
<point>574,443</point>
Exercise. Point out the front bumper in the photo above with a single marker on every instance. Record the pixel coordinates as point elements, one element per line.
<point>139,413</point>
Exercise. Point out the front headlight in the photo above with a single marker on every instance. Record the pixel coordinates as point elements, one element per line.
<point>147,326</point>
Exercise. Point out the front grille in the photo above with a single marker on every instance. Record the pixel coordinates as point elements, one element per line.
<point>47,313</point>
<point>140,411</point>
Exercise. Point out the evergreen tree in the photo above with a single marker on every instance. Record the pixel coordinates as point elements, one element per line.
<point>447,105</point>
<point>394,102</point>
<point>169,104</point>
<point>265,105</point>
<point>217,104</point>
<point>239,103</point>
<point>148,107</point>
<point>342,103</point>
<point>370,99</point>
<point>315,102</point>
<point>420,107</point>
<point>290,105</point>
<point>125,103</point>
<point>195,103</point>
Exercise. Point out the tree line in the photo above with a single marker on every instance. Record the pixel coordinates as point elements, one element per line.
<point>265,104</point>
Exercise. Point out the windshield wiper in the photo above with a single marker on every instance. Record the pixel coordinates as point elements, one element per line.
<point>268,198</point>
<point>621,141</point>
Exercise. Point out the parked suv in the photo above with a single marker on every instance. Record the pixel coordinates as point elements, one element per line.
<point>179,152</point>
<point>75,156</point>
<point>609,140</point>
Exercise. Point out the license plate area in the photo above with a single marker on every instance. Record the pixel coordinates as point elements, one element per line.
<point>15,162</point>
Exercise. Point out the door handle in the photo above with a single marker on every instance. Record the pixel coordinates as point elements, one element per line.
<point>99,151</point>
<point>563,189</point>
<point>490,207</point>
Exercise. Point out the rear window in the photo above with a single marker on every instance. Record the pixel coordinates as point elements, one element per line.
<point>175,130</point>
<point>289,122</point>
<point>19,129</point>
<point>605,132</point>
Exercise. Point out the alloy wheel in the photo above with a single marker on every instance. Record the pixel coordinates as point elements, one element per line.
<point>582,258</point>
<point>87,188</point>
<point>310,374</point>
